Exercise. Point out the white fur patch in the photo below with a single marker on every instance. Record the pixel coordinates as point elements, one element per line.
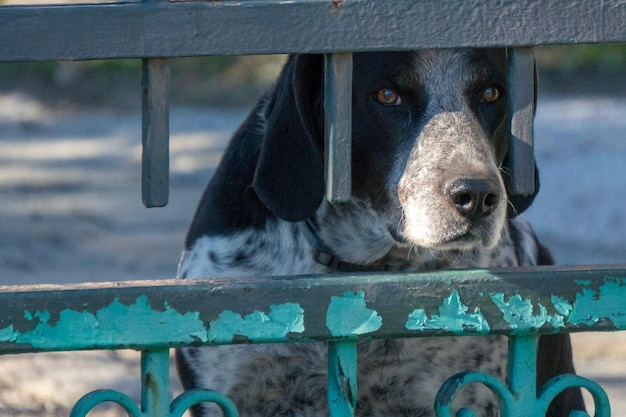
<point>277,249</point>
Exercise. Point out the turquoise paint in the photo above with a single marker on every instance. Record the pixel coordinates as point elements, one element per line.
<point>258,326</point>
<point>561,305</point>
<point>187,399</point>
<point>43,316</point>
<point>342,378</point>
<point>607,302</point>
<point>82,329</point>
<point>84,405</point>
<point>452,317</point>
<point>589,307</point>
<point>519,313</point>
<point>7,334</point>
<point>348,316</point>
<point>155,387</point>
<point>451,387</point>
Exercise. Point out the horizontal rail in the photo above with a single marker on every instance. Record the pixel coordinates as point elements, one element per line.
<point>170,313</point>
<point>163,29</point>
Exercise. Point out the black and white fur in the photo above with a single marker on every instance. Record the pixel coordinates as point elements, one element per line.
<point>429,192</point>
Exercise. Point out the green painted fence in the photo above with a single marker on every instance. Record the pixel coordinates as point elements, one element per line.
<point>154,317</point>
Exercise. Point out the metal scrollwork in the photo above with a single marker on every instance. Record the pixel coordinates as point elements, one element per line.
<point>560,383</point>
<point>443,401</point>
<point>177,408</point>
<point>512,407</point>
<point>195,396</point>
<point>89,401</point>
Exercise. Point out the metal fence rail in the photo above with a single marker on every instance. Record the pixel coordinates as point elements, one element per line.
<point>175,313</point>
<point>341,310</point>
<point>154,316</point>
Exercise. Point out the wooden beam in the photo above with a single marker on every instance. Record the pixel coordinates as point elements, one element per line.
<point>155,131</point>
<point>163,29</point>
<point>338,126</point>
<point>521,155</point>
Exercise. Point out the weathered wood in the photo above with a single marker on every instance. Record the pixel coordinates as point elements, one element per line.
<point>331,307</point>
<point>522,109</point>
<point>155,131</point>
<point>79,32</point>
<point>338,126</point>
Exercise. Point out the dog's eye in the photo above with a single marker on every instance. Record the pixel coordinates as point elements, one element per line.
<point>491,94</point>
<point>388,97</point>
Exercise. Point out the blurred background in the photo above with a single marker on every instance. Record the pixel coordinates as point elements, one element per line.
<point>227,81</point>
<point>70,135</point>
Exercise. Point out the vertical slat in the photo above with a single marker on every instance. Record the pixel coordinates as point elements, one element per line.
<point>155,132</point>
<point>155,367</point>
<point>342,384</point>
<point>522,108</point>
<point>338,126</point>
<point>522,374</point>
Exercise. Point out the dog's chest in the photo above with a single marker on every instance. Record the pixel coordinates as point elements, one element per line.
<point>275,250</point>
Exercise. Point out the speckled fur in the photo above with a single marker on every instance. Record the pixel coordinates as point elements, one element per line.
<point>407,218</point>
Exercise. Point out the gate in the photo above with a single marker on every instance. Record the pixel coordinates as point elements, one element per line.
<point>154,317</point>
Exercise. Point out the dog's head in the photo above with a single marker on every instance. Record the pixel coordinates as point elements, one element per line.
<point>429,144</point>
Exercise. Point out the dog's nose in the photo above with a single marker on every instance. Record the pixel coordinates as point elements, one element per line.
<point>473,198</point>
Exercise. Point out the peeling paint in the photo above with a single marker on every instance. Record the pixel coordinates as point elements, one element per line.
<point>519,313</point>
<point>7,334</point>
<point>258,326</point>
<point>43,316</point>
<point>348,316</point>
<point>561,305</point>
<point>452,317</point>
<point>80,329</point>
<point>589,305</point>
<point>595,303</point>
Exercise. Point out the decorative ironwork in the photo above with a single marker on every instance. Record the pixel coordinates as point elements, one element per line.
<point>512,407</point>
<point>520,398</point>
<point>177,408</point>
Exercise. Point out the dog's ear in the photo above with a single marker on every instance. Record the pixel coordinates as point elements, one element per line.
<point>289,177</point>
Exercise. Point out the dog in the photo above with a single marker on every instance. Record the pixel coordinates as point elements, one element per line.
<point>429,151</point>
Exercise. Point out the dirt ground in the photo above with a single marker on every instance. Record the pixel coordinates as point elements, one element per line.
<point>71,212</point>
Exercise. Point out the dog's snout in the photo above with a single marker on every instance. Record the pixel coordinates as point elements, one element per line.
<point>473,198</point>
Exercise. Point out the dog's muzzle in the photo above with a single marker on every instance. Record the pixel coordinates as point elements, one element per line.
<point>451,192</point>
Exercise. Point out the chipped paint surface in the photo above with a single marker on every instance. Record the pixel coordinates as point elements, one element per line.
<point>348,316</point>
<point>607,303</point>
<point>258,326</point>
<point>83,329</point>
<point>585,303</point>
<point>525,315</point>
<point>521,314</point>
<point>589,307</point>
<point>8,335</point>
<point>453,317</point>
<point>80,329</point>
